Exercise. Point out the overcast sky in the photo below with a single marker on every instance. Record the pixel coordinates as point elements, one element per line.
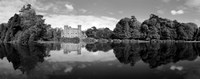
<point>103,13</point>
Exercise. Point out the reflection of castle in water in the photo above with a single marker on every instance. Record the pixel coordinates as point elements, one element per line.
<point>72,47</point>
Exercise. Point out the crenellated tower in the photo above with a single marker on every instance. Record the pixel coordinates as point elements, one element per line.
<point>69,32</point>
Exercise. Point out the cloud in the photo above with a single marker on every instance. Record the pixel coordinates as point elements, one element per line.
<point>166,1</point>
<point>39,6</point>
<point>179,12</point>
<point>182,8</point>
<point>83,10</point>
<point>120,12</point>
<point>87,21</point>
<point>9,7</point>
<point>110,13</point>
<point>84,57</point>
<point>69,7</point>
<point>193,3</point>
<point>160,12</point>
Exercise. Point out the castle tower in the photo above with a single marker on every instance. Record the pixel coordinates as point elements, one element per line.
<point>65,31</point>
<point>69,32</point>
<point>66,27</point>
<point>79,28</point>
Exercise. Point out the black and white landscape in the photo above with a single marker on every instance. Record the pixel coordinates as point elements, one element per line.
<point>99,39</point>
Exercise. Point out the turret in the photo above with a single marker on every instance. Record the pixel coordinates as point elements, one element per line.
<point>79,27</point>
<point>66,27</point>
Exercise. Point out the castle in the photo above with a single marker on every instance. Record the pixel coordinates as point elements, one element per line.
<point>69,32</point>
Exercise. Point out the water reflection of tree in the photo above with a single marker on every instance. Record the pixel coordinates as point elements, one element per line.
<point>155,54</point>
<point>127,53</point>
<point>24,58</point>
<point>170,53</point>
<point>105,47</point>
<point>52,46</point>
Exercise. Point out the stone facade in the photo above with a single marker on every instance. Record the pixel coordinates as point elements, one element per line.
<point>69,32</point>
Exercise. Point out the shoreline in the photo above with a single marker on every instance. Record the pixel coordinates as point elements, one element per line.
<point>91,41</point>
<point>122,41</point>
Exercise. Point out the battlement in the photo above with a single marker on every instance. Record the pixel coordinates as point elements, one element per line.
<point>69,27</point>
<point>70,32</point>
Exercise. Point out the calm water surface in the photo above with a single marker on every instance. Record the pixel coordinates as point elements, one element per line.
<point>100,61</point>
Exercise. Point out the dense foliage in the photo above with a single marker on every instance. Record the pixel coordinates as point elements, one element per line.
<point>101,33</point>
<point>52,34</point>
<point>127,28</point>
<point>24,28</point>
<point>155,28</point>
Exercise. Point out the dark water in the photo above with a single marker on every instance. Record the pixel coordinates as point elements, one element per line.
<point>100,61</point>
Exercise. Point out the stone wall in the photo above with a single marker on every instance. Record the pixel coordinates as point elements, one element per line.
<point>69,32</point>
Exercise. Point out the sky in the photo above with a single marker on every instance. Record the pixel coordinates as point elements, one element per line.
<point>103,13</point>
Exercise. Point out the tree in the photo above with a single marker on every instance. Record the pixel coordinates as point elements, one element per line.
<point>91,32</point>
<point>126,28</point>
<point>101,33</point>
<point>24,28</point>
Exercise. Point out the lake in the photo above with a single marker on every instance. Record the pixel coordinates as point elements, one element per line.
<point>100,61</point>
